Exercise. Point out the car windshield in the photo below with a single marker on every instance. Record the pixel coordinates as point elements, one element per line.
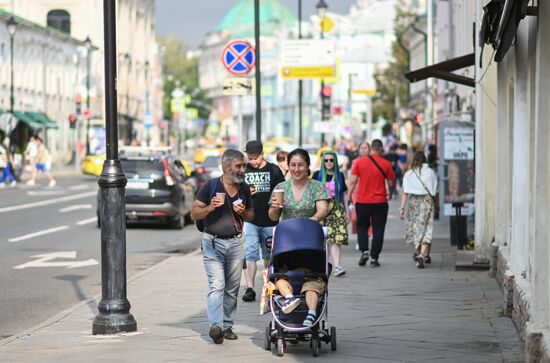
<point>211,162</point>
<point>142,169</point>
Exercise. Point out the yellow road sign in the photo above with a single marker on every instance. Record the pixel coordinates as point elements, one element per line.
<point>308,72</point>
<point>326,24</point>
<point>368,92</point>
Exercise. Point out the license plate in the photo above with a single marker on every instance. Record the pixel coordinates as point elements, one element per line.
<point>137,185</point>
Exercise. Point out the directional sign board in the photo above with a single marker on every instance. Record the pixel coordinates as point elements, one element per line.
<point>238,57</point>
<point>308,58</point>
<point>238,86</point>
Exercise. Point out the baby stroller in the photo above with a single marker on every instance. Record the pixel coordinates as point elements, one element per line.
<point>298,243</point>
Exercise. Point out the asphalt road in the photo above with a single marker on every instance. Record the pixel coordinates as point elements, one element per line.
<point>59,226</point>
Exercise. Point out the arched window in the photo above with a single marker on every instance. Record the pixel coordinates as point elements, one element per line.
<point>60,20</point>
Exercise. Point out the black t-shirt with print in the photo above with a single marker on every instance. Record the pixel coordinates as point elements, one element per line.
<point>220,222</point>
<point>264,180</point>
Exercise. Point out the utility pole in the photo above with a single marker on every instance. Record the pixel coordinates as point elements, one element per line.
<point>257,68</point>
<point>114,308</point>
<point>300,82</point>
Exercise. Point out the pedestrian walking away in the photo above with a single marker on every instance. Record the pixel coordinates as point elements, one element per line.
<point>262,177</point>
<point>336,221</point>
<point>221,206</point>
<point>419,190</point>
<point>9,166</point>
<point>42,163</point>
<point>362,150</point>
<point>372,172</point>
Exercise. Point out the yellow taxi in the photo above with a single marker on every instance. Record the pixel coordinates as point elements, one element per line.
<point>93,164</point>
<point>187,167</point>
<point>206,150</point>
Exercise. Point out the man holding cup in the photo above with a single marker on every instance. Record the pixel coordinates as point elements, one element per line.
<point>223,204</point>
<point>261,176</point>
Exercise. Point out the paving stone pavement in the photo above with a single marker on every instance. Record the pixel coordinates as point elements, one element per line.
<point>395,313</point>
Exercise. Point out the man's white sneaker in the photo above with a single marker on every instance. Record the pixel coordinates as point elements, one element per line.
<point>52,183</point>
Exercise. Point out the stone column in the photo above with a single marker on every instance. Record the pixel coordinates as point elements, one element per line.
<point>521,138</point>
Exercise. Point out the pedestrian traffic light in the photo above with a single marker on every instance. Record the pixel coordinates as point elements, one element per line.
<point>72,121</point>
<point>325,102</point>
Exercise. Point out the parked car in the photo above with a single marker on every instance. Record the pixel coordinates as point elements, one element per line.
<point>158,189</point>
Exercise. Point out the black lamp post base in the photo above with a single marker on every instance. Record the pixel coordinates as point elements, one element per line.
<point>114,323</point>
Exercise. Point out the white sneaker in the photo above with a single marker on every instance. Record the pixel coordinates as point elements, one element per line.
<point>52,183</point>
<point>30,182</point>
<point>13,183</point>
<point>339,271</point>
<point>357,246</point>
<point>2,185</point>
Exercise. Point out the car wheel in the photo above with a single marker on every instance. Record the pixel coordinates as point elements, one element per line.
<point>179,222</point>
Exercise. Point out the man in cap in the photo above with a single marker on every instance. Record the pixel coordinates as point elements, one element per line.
<point>262,177</point>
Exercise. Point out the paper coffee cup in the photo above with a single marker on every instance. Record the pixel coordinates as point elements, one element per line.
<point>279,196</point>
<point>221,197</point>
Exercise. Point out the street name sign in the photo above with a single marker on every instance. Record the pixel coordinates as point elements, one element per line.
<point>308,58</point>
<point>238,86</point>
<point>238,57</point>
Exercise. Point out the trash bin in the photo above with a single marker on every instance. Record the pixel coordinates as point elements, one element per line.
<point>459,231</point>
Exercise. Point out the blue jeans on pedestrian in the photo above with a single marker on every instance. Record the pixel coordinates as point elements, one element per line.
<point>6,173</point>
<point>255,240</point>
<point>223,263</point>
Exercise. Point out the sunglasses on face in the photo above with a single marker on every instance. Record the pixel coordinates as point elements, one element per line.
<point>329,160</point>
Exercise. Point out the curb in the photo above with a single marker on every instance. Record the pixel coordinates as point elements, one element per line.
<point>63,314</point>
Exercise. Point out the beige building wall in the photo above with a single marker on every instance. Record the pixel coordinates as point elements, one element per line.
<point>137,49</point>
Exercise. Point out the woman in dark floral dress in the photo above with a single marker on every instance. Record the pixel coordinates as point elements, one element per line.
<point>336,221</point>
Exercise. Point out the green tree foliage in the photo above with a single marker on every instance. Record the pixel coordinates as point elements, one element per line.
<point>181,70</point>
<point>392,89</point>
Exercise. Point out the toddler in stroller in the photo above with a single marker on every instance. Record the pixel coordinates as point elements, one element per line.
<point>299,268</point>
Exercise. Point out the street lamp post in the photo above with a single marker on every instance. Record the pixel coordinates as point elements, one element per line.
<point>322,11</point>
<point>114,308</point>
<point>146,71</point>
<point>12,28</point>
<point>130,123</point>
<point>258,76</point>
<point>300,82</point>
<point>88,45</point>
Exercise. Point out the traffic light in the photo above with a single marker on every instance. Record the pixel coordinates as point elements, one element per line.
<point>72,121</point>
<point>326,93</point>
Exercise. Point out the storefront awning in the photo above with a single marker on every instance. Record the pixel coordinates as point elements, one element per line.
<point>444,70</point>
<point>26,119</point>
<point>43,119</point>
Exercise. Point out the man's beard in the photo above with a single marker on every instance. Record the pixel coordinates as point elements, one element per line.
<point>236,178</point>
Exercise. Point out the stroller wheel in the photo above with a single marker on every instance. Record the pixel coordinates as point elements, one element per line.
<point>315,344</point>
<point>280,347</point>
<point>333,338</point>
<point>267,338</point>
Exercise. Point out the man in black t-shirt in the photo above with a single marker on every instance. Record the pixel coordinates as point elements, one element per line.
<point>223,204</point>
<point>262,177</point>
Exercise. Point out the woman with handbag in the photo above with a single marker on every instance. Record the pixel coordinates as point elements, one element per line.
<point>419,190</point>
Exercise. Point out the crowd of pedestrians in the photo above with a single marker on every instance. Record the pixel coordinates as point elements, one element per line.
<point>238,211</point>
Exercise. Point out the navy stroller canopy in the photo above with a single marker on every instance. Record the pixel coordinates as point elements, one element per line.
<point>299,243</point>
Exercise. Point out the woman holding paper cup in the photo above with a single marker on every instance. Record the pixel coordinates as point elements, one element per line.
<point>299,197</point>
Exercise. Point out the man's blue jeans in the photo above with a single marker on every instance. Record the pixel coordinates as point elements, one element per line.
<point>223,263</point>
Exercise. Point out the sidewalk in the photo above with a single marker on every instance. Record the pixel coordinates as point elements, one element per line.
<point>394,313</point>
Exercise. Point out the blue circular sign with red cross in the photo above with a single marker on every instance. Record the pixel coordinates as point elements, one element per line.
<point>238,57</point>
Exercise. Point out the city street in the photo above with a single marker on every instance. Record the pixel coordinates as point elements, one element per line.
<point>50,256</point>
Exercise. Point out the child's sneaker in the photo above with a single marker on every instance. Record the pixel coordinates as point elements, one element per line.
<point>13,183</point>
<point>290,304</point>
<point>310,320</point>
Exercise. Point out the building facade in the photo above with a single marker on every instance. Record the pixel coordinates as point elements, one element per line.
<point>139,64</point>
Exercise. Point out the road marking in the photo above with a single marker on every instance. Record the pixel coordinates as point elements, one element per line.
<point>47,202</point>
<point>45,192</point>
<point>45,260</point>
<point>79,187</point>
<point>75,207</point>
<point>39,233</point>
<point>87,221</point>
